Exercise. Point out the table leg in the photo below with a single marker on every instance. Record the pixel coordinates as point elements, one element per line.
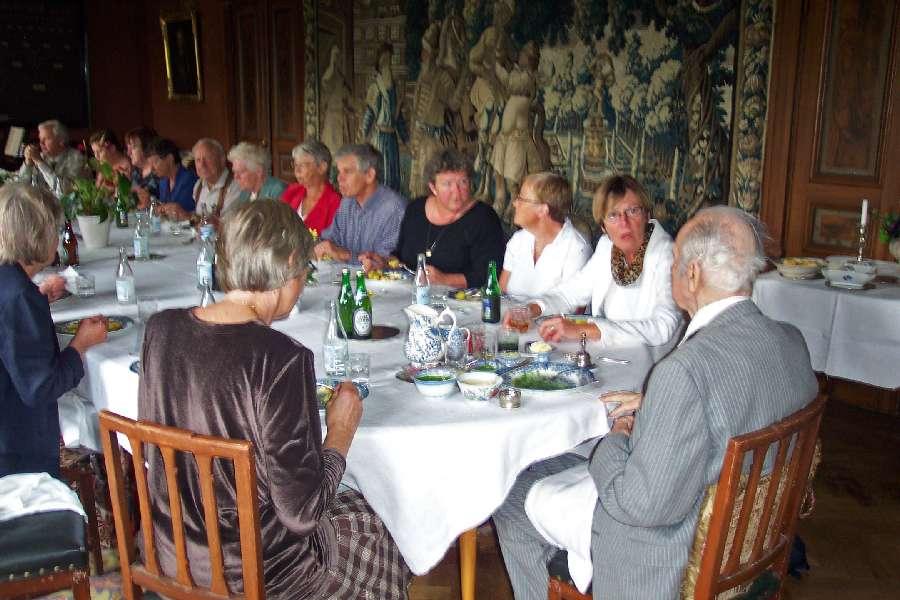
<point>468,552</point>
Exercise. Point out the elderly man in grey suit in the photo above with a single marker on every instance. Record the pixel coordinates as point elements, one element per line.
<point>735,371</point>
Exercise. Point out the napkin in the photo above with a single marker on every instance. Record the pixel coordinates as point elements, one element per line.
<point>561,508</point>
<point>29,493</point>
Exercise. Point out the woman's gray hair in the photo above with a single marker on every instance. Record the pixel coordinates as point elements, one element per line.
<point>728,243</point>
<point>263,246</point>
<point>29,224</point>
<point>60,131</point>
<point>316,149</point>
<point>366,156</point>
<point>253,156</point>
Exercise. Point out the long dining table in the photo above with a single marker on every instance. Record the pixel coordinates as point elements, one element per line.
<point>432,469</point>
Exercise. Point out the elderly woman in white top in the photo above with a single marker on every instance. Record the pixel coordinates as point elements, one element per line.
<point>548,250</point>
<point>626,283</point>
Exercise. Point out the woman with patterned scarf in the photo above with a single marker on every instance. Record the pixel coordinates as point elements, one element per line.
<point>626,283</point>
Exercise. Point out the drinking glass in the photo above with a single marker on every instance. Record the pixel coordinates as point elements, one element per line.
<point>519,318</point>
<point>508,339</point>
<point>359,367</point>
<point>85,285</point>
<point>482,340</point>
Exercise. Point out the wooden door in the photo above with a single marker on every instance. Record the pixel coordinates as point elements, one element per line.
<point>286,51</point>
<point>250,73</point>
<point>845,143</point>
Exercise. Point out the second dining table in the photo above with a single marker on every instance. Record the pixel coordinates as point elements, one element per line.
<point>432,469</point>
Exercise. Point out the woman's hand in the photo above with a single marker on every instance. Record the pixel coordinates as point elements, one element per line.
<point>91,331</point>
<point>371,261</point>
<point>627,403</point>
<point>53,287</point>
<point>560,329</point>
<point>342,417</point>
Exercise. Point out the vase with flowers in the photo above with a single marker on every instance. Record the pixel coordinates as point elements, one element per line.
<point>889,232</point>
<point>94,205</point>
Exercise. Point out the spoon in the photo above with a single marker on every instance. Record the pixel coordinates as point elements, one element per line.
<point>615,361</point>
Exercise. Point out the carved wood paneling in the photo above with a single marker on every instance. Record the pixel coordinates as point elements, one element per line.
<point>251,95</point>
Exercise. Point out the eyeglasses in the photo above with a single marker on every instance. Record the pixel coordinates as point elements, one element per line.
<point>527,200</point>
<point>632,212</point>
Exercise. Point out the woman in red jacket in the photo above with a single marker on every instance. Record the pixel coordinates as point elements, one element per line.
<point>312,197</point>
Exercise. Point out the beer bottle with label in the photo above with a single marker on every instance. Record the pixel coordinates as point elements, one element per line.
<point>362,311</point>
<point>490,296</point>
<point>346,303</point>
<point>70,245</point>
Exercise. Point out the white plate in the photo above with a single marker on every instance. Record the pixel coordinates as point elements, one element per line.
<point>67,328</point>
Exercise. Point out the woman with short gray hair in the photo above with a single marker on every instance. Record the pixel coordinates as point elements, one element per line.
<point>255,383</point>
<point>34,373</point>
<point>312,197</point>
<point>250,165</point>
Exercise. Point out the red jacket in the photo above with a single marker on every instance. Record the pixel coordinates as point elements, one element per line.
<point>321,215</point>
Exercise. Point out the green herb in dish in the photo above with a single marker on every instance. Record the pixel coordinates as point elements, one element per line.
<point>536,381</point>
<point>485,368</point>
<point>433,378</point>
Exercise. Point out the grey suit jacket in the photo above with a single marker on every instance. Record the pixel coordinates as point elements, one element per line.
<point>741,372</point>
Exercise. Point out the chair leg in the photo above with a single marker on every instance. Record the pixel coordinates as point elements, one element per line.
<point>554,592</point>
<point>81,586</point>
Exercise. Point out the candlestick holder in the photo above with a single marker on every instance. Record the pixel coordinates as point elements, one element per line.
<point>861,244</point>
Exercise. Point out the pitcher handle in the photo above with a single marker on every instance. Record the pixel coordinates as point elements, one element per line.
<point>449,313</point>
<point>468,334</point>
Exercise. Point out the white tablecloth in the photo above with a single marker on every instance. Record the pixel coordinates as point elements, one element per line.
<point>431,469</point>
<point>852,335</point>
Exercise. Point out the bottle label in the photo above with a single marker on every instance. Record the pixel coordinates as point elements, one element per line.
<point>490,309</point>
<point>423,294</point>
<point>155,224</point>
<point>362,323</point>
<point>125,291</point>
<point>204,274</point>
<point>141,248</point>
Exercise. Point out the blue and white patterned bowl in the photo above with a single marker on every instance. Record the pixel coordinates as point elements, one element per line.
<point>479,385</point>
<point>434,388</point>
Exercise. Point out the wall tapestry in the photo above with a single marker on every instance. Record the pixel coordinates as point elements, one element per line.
<point>583,87</point>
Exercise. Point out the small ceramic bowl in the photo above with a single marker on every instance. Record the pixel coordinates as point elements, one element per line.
<point>508,359</point>
<point>435,383</point>
<point>848,276</point>
<point>541,350</point>
<point>479,385</point>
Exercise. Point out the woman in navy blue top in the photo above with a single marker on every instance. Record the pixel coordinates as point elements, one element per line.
<point>33,370</point>
<point>176,183</point>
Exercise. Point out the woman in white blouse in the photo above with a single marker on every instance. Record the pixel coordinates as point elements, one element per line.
<point>626,283</point>
<point>548,249</point>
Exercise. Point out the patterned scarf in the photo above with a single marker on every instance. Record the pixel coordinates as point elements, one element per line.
<point>623,273</point>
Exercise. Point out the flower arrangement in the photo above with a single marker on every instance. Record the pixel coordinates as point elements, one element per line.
<point>89,199</point>
<point>890,227</point>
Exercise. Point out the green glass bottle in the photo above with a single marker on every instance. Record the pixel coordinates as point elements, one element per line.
<point>346,304</point>
<point>490,296</point>
<point>362,311</point>
<point>121,212</point>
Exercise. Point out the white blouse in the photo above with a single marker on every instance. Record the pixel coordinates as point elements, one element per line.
<point>642,313</point>
<point>560,260</point>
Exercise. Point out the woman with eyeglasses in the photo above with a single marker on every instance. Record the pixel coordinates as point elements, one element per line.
<point>625,284</point>
<point>548,250</point>
<point>255,383</point>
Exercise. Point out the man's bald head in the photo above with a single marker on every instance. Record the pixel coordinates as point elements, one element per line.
<point>727,245</point>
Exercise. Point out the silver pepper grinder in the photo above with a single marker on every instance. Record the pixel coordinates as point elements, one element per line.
<point>582,358</point>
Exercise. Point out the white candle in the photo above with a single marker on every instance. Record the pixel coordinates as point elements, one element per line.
<point>864,218</point>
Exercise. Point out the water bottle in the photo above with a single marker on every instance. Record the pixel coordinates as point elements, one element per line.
<point>422,283</point>
<point>207,297</point>
<point>155,218</point>
<point>141,237</point>
<point>206,259</point>
<point>335,348</point>
<point>124,280</point>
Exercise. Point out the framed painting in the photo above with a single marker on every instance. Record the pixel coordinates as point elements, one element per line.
<point>182,55</point>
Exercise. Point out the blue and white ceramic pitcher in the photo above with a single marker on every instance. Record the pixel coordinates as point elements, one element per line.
<point>424,344</point>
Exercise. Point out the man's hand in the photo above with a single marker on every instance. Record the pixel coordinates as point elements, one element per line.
<point>342,417</point>
<point>173,211</point>
<point>327,248</point>
<point>372,261</point>
<point>623,425</point>
<point>91,331</point>
<point>53,287</point>
<point>33,155</point>
<point>627,403</point>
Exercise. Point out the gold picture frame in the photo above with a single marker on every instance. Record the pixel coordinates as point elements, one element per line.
<point>182,54</point>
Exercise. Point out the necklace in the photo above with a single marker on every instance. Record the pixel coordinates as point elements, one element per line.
<point>430,249</point>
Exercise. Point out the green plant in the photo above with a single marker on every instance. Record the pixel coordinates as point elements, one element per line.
<point>890,227</point>
<point>89,199</point>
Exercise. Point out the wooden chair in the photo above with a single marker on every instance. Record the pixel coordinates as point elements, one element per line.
<point>76,468</point>
<point>747,521</point>
<point>169,440</point>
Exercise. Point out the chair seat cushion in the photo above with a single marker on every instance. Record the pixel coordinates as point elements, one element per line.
<point>42,541</point>
<point>558,567</point>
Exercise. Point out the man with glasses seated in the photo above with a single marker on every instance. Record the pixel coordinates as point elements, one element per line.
<point>548,250</point>
<point>458,235</point>
<point>626,284</point>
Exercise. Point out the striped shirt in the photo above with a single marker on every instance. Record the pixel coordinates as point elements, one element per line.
<point>372,227</point>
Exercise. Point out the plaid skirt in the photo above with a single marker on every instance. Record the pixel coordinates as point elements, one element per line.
<point>369,565</point>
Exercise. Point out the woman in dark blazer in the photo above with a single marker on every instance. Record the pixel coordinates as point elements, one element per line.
<point>33,370</point>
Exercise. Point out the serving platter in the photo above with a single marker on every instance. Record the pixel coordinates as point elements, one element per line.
<point>548,377</point>
<point>114,325</point>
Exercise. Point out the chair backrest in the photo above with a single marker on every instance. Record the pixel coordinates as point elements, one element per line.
<point>754,515</point>
<point>171,440</point>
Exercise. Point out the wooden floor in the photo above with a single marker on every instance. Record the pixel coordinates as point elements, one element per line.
<point>852,537</point>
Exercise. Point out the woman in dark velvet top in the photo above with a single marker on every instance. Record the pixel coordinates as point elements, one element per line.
<point>458,235</point>
<point>34,373</point>
<point>252,382</point>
